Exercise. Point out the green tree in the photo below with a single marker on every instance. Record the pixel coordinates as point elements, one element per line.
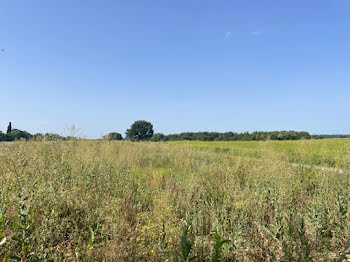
<point>140,130</point>
<point>3,137</point>
<point>16,134</point>
<point>113,136</point>
<point>158,137</point>
<point>9,128</point>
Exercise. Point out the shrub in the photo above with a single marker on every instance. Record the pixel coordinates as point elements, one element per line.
<point>113,136</point>
<point>47,137</point>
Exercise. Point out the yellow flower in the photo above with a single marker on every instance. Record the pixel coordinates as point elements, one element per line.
<point>152,251</point>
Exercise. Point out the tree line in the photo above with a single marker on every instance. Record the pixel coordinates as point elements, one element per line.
<point>143,131</point>
<point>14,134</point>
<point>232,136</point>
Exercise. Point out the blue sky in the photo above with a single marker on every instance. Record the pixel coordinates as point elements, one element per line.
<point>184,65</point>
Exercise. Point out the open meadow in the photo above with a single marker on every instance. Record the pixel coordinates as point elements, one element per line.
<point>176,201</point>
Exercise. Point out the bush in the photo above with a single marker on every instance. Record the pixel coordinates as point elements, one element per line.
<point>113,136</point>
<point>47,137</point>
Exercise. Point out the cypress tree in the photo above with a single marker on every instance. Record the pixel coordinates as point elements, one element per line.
<point>9,128</point>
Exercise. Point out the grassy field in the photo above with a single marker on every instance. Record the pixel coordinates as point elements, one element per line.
<point>178,201</point>
<point>328,153</point>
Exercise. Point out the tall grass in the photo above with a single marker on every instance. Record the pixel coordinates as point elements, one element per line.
<point>121,201</point>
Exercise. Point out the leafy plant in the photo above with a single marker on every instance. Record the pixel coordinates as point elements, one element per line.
<point>186,244</point>
<point>217,249</point>
<point>23,232</point>
<point>3,224</point>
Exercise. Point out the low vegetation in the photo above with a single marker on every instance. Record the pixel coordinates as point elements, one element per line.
<point>180,201</point>
<point>142,130</point>
<point>232,136</point>
<point>113,136</point>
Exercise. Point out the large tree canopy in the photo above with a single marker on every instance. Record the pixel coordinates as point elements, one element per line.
<point>140,130</point>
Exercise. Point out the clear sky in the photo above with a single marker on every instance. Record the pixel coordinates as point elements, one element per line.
<point>184,65</point>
